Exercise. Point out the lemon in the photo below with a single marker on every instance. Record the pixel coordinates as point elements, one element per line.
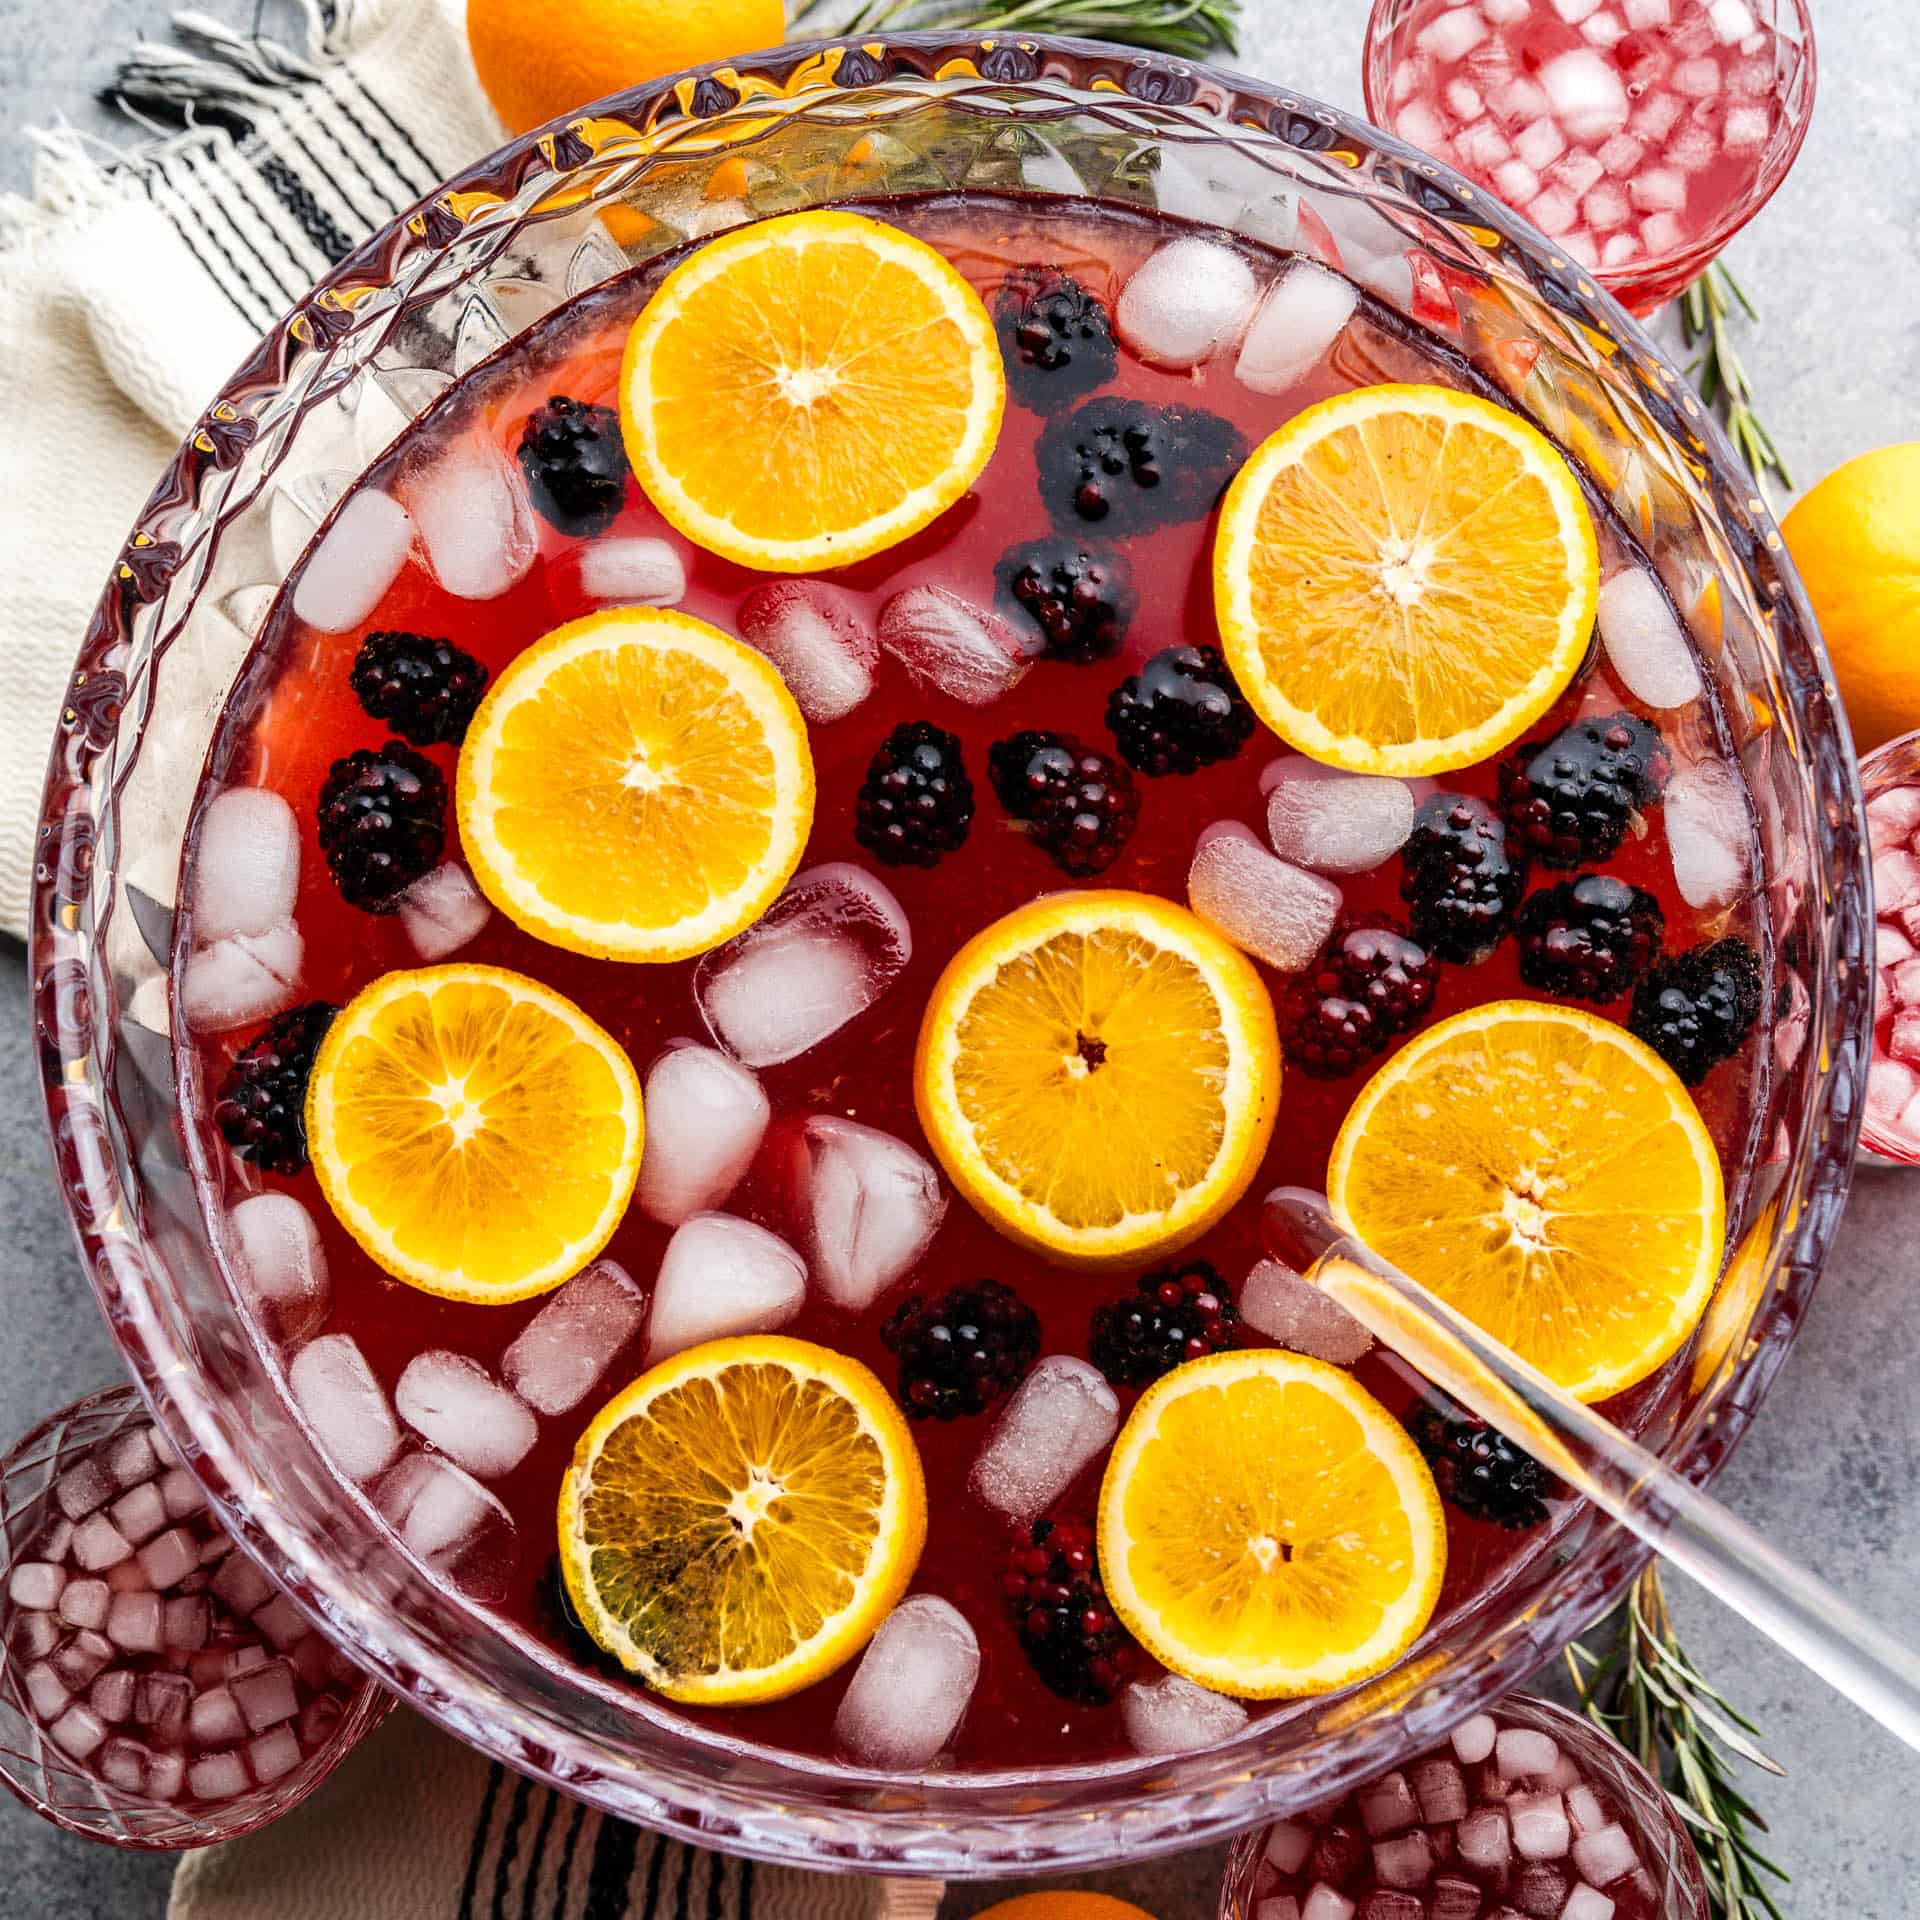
<point>736,1524</point>
<point>1547,1175</point>
<point>1855,539</point>
<point>1405,579</point>
<point>1099,1073</point>
<point>1267,1528</point>
<point>637,785</point>
<point>804,392</point>
<point>474,1131</point>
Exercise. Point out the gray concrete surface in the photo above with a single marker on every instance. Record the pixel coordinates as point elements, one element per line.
<point>1831,1470</point>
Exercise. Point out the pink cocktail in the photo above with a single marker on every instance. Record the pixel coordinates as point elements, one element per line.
<point>1891,777</point>
<point>1639,135</point>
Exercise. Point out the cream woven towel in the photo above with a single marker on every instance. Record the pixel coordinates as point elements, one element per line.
<point>416,1827</point>
<point>135,281</point>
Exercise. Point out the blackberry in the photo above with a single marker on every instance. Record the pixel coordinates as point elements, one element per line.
<point>1175,1315</point>
<point>960,1351</point>
<point>1128,467</point>
<point>1056,337</point>
<point>1080,597</point>
<point>1481,1471</point>
<point>261,1109</point>
<point>1369,984</point>
<point>1182,711</point>
<point>1569,799</point>
<point>1058,1604</point>
<point>1694,1008</point>
<point>1083,818</point>
<point>383,821</point>
<point>1025,766</point>
<point>1588,939</point>
<point>1459,878</point>
<point>576,465</point>
<point>916,802</point>
<point>425,690</point>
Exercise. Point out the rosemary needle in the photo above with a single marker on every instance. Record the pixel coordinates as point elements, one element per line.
<point>1706,308</point>
<point>1189,27</point>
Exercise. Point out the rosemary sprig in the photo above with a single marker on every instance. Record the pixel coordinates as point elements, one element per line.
<point>1705,311</point>
<point>1651,1697</point>
<point>1188,27</point>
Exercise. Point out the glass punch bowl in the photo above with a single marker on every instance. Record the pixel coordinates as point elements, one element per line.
<point>561,211</point>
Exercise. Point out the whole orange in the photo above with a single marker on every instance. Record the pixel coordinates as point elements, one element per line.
<point>539,59</point>
<point>1067,1903</point>
<point>1855,539</point>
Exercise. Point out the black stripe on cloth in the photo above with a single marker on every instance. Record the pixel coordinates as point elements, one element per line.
<point>655,1867</point>
<point>746,1890</point>
<point>253,318</point>
<point>367,221</point>
<point>373,140</point>
<point>482,1827</point>
<point>549,1806</point>
<point>329,98</point>
<point>322,230</point>
<point>510,1844</point>
<point>716,1885</point>
<point>435,171</point>
<point>289,295</point>
<point>611,1874</point>
<point>563,1880</point>
<point>681,1905</point>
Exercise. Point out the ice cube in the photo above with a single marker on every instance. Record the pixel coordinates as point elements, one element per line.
<point>166,1774</point>
<point>1732,20</point>
<point>1581,247</point>
<point>1297,322</point>
<point>34,1635</point>
<point>1619,157</point>
<point>1604,209</point>
<point>85,1603</point>
<point>45,1693</point>
<point>279,1265</point>
<point>217,1776</point>
<point>637,572</point>
<point>873,1205</point>
<point>1662,233</point>
<point>1506,13</point>
<point>1751,79</point>
<point>1604,30</point>
<point>358,559</point>
<point>1484,1841</point>
<point>443,911</point>
<point>1332,821</point>
<point>99,1544</point>
<point>1709,833</point>
<point>1586,93</point>
<point>911,1687</point>
<point>706,1117</point>
<point>78,1732</point>
<point>820,956</point>
<point>475,520</point>
<point>1575,173</point>
<point>1452,35</point>
<point>1540,1891</point>
<point>1323,1903</point>
<point>1172,1715</point>
<point>281,1622</point>
<point>37,1583</point>
<point>1383,1903</point>
<point>1540,1829</point>
<point>246,864</point>
<point>1192,298</point>
<point>1518,102</point>
<point>345,1405</point>
<point>166,1560</point>
<point>1584,1810</point>
<point>214,1719</point>
<point>1387,1805</point>
<point>160,1703</point>
<point>128,1576</point>
<point>1278,1906</point>
<point>1524,1753</point>
<point>1515,182</point>
<point>1540,144</point>
<point>1419,126</point>
<point>1746,129</point>
<point>1292,1312</point>
<point>1288,1844</point>
<point>453,1404</point>
<point>1656,116</point>
<point>720,1276</point>
<point>83,1487</point>
<point>1062,1416</point>
<point>1904,983</point>
<point>1278,912</point>
<point>563,1350</point>
<point>1473,1739</point>
<point>1657,190</point>
<point>1587,1903</point>
<point>1463,100</point>
<point>1619,249</point>
<point>1643,14</point>
<point>817,642</point>
<point>952,646</point>
<point>123,1764</point>
<point>273,1755</point>
<point>1605,1855</point>
<point>185,1622</point>
<point>265,1695</point>
<point>241,1587</point>
<point>1404,1861</point>
<point>1896,880</point>
<point>1574,11</point>
<point>451,1522</point>
<point>1696,79</point>
<point>1893,818</point>
<point>111,1695</point>
<point>1440,1789</point>
<point>81,1658</point>
<point>1554,211</point>
<point>139,1514</point>
<point>1693,149</point>
<point>239,980</point>
<point>1645,643</point>
<point>1481,148</point>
